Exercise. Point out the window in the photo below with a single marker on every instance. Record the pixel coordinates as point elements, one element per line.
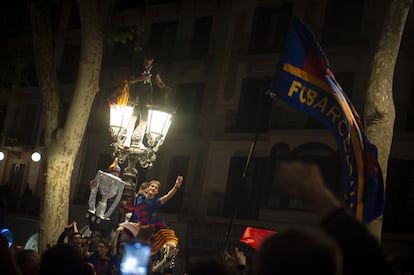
<point>273,196</point>
<point>410,117</point>
<point>270,27</point>
<point>158,2</point>
<point>32,114</point>
<point>346,81</point>
<point>25,127</point>
<point>404,121</point>
<point>283,116</point>
<point>15,182</point>
<point>120,54</point>
<point>68,70</point>
<point>254,106</point>
<point>342,22</point>
<point>201,37</point>
<point>189,102</point>
<point>128,4</point>
<point>3,115</point>
<point>246,190</point>
<point>189,98</point>
<point>74,19</point>
<point>399,209</point>
<point>71,55</point>
<point>162,40</point>
<point>133,4</point>
<point>327,159</point>
<point>178,166</point>
<point>29,76</point>
<point>55,15</point>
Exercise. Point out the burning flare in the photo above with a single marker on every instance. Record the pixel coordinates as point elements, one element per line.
<point>123,98</point>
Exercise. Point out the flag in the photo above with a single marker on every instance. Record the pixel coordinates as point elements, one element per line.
<point>120,97</point>
<point>255,236</point>
<point>304,80</point>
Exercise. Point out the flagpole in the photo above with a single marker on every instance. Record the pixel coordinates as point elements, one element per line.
<point>236,210</point>
<point>246,168</point>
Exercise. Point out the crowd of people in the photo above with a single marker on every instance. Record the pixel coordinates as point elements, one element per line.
<point>341,245</point>
<point>74,253</point>
<point>141,225</point>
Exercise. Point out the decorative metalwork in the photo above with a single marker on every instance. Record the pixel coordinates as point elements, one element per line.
<point>143,147</point>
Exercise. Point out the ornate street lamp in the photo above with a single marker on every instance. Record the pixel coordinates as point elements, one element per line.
<point>130,147</point>
<point>141,151</point>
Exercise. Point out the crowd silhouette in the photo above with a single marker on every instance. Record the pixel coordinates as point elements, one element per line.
<point>340,245</point>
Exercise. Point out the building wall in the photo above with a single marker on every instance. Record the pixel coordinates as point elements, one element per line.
<point>222,70</point>
<point>210,147</point>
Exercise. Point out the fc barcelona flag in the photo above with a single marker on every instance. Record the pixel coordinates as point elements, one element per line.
<point>304,80</point>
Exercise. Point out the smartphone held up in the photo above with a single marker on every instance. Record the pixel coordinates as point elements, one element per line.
<point>136,258</point>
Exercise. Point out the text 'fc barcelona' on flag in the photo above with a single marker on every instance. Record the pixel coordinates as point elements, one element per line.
<point>304,80</point>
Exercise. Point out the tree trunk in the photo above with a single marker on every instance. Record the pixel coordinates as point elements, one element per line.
<point>62,145</point>
<point>379,112</point>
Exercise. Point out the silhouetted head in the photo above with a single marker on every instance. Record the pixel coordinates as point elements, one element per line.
<point>28,261</point>
<point>211,265</point>
<point>61,259</point>
<point>299,251</point>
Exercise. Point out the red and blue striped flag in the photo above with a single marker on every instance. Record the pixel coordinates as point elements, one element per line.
<point>304,80</point>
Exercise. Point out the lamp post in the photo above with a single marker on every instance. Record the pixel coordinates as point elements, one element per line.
<point>158,124</point>
<point>131,145</point>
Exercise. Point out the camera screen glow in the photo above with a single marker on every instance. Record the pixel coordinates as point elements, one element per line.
<point>136,259</point>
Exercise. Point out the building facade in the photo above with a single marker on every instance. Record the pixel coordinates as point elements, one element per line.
<point>218,56</point>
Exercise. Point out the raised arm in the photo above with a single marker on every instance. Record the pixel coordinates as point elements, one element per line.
<point>114,242</point>
<point>171,193</point>
<point>361,251</point>
<point>138,78</point>
<point>305,181</point>
<point>75,227</point>
<point>159,81</point>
